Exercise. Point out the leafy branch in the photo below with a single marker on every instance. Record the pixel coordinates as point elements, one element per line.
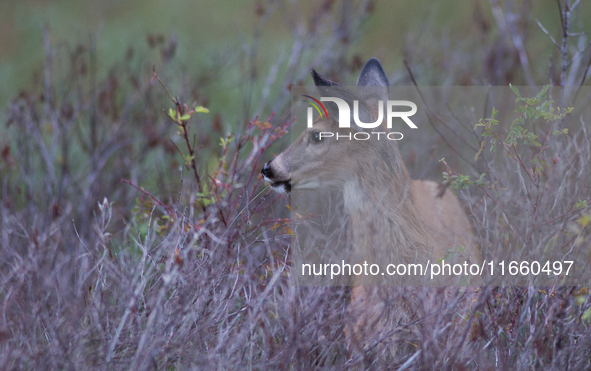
<point>181,115</point>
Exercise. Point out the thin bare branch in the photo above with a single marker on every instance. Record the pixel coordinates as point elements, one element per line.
<point>509,31</point>
<point>579,53</point>
<point>547,34</point>
<point>565,18</point>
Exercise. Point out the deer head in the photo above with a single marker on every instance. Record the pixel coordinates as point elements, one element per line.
<point>316,161</point>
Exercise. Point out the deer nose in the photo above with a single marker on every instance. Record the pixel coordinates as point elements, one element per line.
<point>267,172</point>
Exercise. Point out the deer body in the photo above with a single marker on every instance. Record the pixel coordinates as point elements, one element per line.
<point>394,219</point>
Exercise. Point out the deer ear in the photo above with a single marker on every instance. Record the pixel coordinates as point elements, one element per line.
<point>328,88</point>
<point>321,81</point>
<point>373,82</point>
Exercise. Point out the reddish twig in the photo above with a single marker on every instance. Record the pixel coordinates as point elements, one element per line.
<point>170,210</point>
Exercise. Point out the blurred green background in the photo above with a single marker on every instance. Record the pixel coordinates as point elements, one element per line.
<point>202,27</point>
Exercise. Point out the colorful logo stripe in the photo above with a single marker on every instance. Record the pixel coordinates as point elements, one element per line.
<point>315,106</point>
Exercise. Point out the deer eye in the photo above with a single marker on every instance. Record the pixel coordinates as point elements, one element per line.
<point>315,137</point>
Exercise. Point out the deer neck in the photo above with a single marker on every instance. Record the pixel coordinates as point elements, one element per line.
<point>384,223</point>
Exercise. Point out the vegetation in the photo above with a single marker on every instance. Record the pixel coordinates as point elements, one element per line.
<point>136,233</point>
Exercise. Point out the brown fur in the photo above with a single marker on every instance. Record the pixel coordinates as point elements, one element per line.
<point>395,220</point>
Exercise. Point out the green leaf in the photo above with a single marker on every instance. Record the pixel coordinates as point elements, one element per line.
<point>185,117</point>
<point>479,151</point>
<point>515,90</point>
<point>581,204</point>
<point>494,113</point>
<point>201,109</point>
<point>480,181</point>
<point>584,220</point>
<point>543,92</point>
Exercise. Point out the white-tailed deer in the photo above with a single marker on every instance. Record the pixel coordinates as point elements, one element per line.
<point>393,218</point>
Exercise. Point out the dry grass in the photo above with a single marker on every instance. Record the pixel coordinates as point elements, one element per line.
<point>186,265</point>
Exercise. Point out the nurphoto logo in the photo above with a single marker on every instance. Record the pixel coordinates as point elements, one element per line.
<point>344,117</point>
